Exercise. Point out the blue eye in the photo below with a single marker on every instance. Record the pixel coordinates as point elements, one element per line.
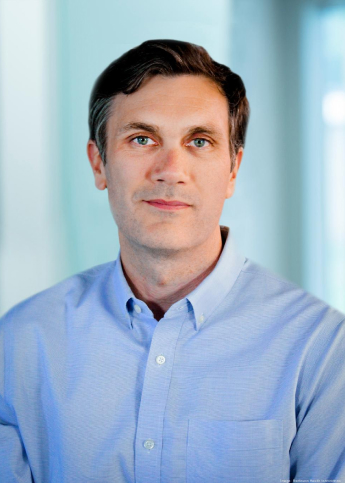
<point>199,142</point>
<point>142,140</point>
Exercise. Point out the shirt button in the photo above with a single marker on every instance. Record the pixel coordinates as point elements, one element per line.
<point>201,318</point>
<point>137,308</point>
<point>149,444</point>
<point>160,359</point>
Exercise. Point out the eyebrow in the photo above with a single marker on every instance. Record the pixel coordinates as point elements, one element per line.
<point>142,126</point>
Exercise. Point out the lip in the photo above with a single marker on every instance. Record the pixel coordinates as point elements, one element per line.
<point>168,205</point>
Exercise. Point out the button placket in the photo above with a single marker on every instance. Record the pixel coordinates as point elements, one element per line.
<point>154,399</point>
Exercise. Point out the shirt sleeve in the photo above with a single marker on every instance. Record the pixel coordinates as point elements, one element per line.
<point>14,465</point>
<point>318,449</point>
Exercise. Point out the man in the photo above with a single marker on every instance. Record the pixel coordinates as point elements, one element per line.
<point>183,361</point>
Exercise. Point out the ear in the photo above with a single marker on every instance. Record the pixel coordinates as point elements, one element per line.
<point>96,165</point>
<point>232,179</point>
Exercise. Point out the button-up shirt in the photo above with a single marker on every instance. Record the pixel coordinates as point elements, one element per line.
<point>241,381</point>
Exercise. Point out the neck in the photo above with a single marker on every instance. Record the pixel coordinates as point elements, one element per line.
<point>162,280</point>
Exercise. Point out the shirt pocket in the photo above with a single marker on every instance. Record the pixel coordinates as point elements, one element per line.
<point>234,451</point>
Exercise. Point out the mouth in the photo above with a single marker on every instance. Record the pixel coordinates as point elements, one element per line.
<point>168,205</point>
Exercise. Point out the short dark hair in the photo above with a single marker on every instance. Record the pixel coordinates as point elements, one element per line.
<point>168,58</point>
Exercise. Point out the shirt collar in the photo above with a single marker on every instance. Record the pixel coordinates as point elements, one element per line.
<point>123,291</point>
<point>206,297</point>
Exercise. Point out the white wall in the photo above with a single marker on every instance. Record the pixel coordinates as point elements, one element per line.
<point>31,240</point>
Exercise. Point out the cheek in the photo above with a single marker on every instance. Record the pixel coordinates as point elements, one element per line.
<point>215,188</point>
<point>124,181</point>
<point>117,191</point>
<point>119,179</point>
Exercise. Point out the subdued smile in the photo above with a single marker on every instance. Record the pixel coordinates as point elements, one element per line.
<point>168,205</point>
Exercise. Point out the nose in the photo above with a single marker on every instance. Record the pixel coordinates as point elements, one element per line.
<point>170,167</point>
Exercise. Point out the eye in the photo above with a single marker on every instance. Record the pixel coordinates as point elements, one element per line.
<point>142,140</point>
<point>200,142</point>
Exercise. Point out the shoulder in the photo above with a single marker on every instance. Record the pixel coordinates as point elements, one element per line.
<point>51,303</point>
<point>275,296</point>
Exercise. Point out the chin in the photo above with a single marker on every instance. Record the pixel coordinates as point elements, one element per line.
<point>164,238</point>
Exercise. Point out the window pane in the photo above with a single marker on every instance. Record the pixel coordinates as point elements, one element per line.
<point>333,110</point>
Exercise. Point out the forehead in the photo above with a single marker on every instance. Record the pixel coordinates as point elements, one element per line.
<point>166,101</point>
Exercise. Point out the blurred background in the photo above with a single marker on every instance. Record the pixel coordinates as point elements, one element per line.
<point>288,211</point>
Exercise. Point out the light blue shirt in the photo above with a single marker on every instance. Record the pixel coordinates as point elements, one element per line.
<point>242,381</point>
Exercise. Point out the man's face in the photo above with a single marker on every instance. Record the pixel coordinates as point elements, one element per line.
<point>168,141</point>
